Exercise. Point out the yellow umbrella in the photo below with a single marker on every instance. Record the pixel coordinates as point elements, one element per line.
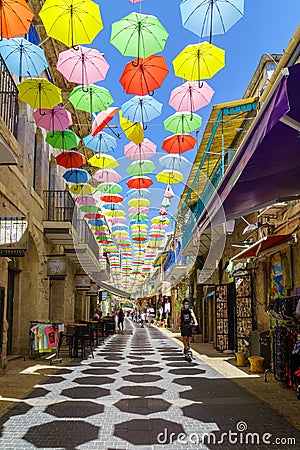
<point>158,219</point>
<point>39,93</point>
<point>139,227</point>
<point>169,177</point>
<point>120,233</point>
<point>139,202</point>
<point>115,213</point>
<point>99,228</point>
<point>133,131</point>
<point>82,189</point>
<point>199,61</point>
<point>72,22</point>
<point>103,161</point>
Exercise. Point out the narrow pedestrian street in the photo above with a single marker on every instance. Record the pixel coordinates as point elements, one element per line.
<point>139,392</point>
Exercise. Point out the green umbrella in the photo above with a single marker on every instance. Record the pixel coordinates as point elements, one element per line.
<point>110,188</point>
<point>183,122</point>
<point>65,140</point>
<point>90,98</point>
<point>138,216</point>
<point>139,35</point>
<point>140,168</point>
<point>90,208</point>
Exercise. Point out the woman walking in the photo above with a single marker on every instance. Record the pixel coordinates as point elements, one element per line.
<point>121,320</point>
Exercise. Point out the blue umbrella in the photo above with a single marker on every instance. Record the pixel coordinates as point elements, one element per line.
<point>113,206</point>
<point>141,109</point>
<point>76,176</point>
<point>96,222</point>
<point>120,227</point>
<point>22,57</point>
<point>138,222</point>
<point>101,143</point>
<point>210,17</point>
<point>174,162</point>
<point>139,193</point>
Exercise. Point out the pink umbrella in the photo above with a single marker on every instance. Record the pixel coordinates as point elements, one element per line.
<point>56,119</point>
<point>191,96</point>
<point>138,210</point>
<point>107,176</point>
<point>82,65</point>
<point>115,220</point>
<point>169,192</point>
<point>141,151</point>
<point>158,226</point>
<point>86,200</point>
<point>135,1</point>
<point>101,233</point>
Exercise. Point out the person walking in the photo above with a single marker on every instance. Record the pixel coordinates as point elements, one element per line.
<point>143,319</point>
<point>186,319</point>
<point>121,317</point>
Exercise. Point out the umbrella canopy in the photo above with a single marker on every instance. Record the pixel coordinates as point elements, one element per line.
<point>141,193</point>
<point>141,151</point>
<point>139,182</point>
<point>191,96</point>
<point>141,109</point>
<point>90,98</point>
<point>93,216</point>
<point>22,57</point>
<point>89,209</point>
<point>110,188</point>
<point>101,143</point>
<point>82,189</point>
<point>72,22</point>
<point>138,210</point>
<point>174,162</point>
<point>143,76</point>
<point>207,18</point>
<point>82,65</point>
<point>159,220</point>
<point>138,35</point>
<point>76,176</point>
<point>107,176</point>
<point>169,177</point>
<point>103,161</point>
<point>115,213</point>
<point>15,18</point>
<point>70,159</point>
<point>133,131</point>
<point>112,206</point>
<point>87,200</point>
<point>65,139</point>
<point>182,122</point>
<point>179,143</point>
<point>110,198</point>
<point>199,61</point>
<point>140,168</point>
<point>102,120</point>
<point>138,216</point>
<point>57,118</point>
<point>39,93</point>
<point>138,202</point>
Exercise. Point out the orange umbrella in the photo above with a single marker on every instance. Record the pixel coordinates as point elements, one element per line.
<point>102,120</point>
<point>142,76</point>
<point>179,143</point>
<point>139,182</point>
<point>16,17</point>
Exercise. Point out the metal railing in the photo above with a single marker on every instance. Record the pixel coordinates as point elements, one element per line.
<point>9,99</point>
<point>61,207</point>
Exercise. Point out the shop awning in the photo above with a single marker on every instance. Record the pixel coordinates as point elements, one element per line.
<point>113,290</point>
<point>265,245</point>
<point>266,168</point>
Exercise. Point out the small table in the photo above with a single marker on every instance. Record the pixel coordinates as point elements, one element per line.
<point>78,337</point>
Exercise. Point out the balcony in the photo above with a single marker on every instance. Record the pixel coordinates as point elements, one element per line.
<point>176,267</point>
<point>63,226</point>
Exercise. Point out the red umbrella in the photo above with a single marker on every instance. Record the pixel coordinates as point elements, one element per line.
<point>70,159</point>
<point>179,143</point>
<point>94,216</point>
<point>142,76</point>
<point>112,198</point>
<point>139,182</point>
<point>102,119</point>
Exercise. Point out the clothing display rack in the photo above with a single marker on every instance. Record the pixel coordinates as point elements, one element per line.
<point>45,339</point>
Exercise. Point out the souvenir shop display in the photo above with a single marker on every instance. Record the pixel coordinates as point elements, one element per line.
<point>225,330</point>
<point>244,316</point>
<point>45,339</point>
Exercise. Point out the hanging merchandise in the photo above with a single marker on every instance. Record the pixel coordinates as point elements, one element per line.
<point>244,309</point>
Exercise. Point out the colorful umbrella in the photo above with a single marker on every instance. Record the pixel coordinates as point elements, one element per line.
<point>90,98</point>
<point>174,162</point>
<point>70,159</point>
<point>89,209</point>
<point>199,61</point>
<point>57,118</point>
<point>22,57</point>
<point>139,183</point>
<point>72,22</point>
<point>169,177</point>
<point>65,139</point>
<point>207,18</point>
<point>191,96</point>
<point>103,161</point>
<point>86,200</point>
<point>109,198</point>
<point>138,210</point>
<point>39,93</point>
<point>141,193</point>
<point>160,220</point>
<point>138,35</point>
<point>83,189</point>
<point>93,216</point>
<point>133,131</point>
<point>141,151</point>
<point>141,109</point>
<point>182,122</point>
<point>138,202</point>
<point>101,143</point>
<point>143,76</point>
<point>102,120</point>
<point>110,188</point>
<point>76,176</point>
<point>138,216</point>
<point>107,176</point>
<point>140,168</point>
<point>179,143</point>
<point>115,213</point>
<point>15,18</point>
<point>82,65</point>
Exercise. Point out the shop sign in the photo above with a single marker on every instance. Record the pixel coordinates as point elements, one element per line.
<point>13,236</point>
<point>56,267</point>
<point>82,282</point>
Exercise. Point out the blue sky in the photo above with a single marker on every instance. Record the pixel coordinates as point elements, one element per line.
<point>266,27</point>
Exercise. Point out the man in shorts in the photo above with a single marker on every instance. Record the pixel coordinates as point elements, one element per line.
<point>186,320</point>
